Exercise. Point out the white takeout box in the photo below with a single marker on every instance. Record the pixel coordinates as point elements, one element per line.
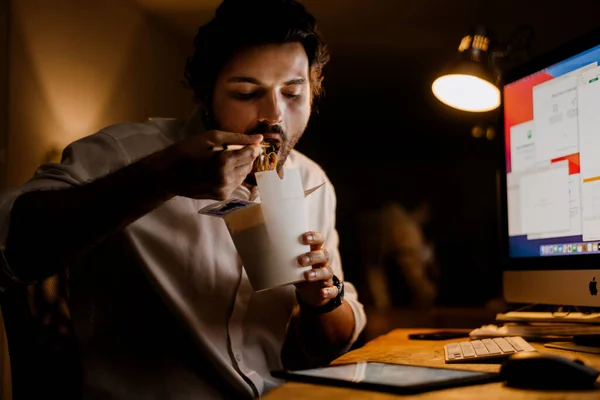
<point>268,235</point>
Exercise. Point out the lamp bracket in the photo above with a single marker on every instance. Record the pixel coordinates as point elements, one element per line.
<point>515,50</point>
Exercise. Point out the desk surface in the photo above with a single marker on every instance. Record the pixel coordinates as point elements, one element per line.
<point>395,347</point>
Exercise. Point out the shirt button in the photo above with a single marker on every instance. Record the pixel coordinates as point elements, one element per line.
<point>238,357</point>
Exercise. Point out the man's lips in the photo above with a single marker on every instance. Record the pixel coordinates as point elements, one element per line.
<point>272,137</point>
<point>273,141</point>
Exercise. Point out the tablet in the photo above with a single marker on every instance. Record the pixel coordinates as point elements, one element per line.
<point>384,377</point>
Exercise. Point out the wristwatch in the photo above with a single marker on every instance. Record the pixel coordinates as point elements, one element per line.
<point>330,305</point>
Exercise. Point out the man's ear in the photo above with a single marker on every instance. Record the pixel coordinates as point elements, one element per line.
<point>314,103</point>
<point>206,114</point>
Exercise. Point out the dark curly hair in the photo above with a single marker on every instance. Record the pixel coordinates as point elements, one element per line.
<point>239,24</point>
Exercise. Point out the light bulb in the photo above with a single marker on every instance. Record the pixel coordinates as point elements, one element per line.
<point>466,92</point>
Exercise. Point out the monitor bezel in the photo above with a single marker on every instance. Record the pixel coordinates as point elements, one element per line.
<point>539,263</point>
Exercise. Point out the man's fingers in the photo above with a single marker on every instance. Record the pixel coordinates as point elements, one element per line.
<point>329,292</point>
<point>245,156</point>
<point>315,295</point>
<point>320,274</point>
<point>318,287</point>
<point>320,256</point>
<point>243,170</point>
<point>222,137</point>
<point>314,239</point>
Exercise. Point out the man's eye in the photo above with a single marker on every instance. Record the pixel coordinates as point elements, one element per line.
<point>292,95</point>
<point>245,96</point>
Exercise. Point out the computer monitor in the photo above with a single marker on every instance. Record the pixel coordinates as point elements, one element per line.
<point>550,185</point>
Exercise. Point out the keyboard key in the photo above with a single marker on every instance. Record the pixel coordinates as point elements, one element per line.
<point>467,349</point>
<point>475,350</point>
<point>523,344</point>
<point>504,345</point>
<point>479,348</point>
<point>514,344</point>
<point>454,347</point>
<point>491,346</point>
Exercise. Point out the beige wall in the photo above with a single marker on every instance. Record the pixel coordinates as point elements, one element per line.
<point>77,66</point>
<point>4,49</point>
<point>5,389</point>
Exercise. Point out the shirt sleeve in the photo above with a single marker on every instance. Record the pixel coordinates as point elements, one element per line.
<point>332,246</point>
<point>82,161</point>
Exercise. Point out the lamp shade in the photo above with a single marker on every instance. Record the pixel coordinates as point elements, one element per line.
<point>470,82</point>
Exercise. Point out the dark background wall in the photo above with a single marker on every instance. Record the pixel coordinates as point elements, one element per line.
<point>379,141</point>
<point>382,136</point>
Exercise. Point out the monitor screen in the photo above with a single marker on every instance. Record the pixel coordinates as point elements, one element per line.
<point>552,150</point>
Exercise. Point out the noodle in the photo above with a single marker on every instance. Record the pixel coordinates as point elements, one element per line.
<point>267,161</point>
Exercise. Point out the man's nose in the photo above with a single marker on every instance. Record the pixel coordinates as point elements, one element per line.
<point>271,110</point>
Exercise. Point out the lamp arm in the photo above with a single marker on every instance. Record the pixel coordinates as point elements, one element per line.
<point>515,50</point>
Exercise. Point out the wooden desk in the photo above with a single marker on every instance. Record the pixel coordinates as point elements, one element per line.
<point>395,347</point>
<point>384,321</point>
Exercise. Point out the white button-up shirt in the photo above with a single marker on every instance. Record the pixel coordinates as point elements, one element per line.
<point>191,262</point>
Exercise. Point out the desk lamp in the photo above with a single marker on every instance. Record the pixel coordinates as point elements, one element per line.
<point>471,81</point>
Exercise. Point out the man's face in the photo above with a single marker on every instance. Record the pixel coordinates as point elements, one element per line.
<point>265,89</point>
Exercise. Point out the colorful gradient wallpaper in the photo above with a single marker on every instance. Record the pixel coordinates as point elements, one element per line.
<point>519,108</point>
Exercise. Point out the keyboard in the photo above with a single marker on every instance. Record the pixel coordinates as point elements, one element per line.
<point>477,350</point>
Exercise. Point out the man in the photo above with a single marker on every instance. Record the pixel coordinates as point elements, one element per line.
<point>408,256</point>
<point>159,303</point>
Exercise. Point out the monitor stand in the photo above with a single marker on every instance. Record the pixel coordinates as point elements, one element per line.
<point>580,343</point>
<point>570,317</point>
<point>559,314</point>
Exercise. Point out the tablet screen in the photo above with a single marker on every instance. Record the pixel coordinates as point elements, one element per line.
<point>399,376</point>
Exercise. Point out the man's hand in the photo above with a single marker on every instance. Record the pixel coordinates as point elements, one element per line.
<point>315,339</point>
<point>318,288</point>
<point>197,172</point>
